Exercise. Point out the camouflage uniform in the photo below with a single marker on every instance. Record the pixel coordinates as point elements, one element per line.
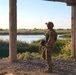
<point>50,40</point>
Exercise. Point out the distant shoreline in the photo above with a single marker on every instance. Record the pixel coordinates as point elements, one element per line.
<point>33,32</point>
<point>23,33</point>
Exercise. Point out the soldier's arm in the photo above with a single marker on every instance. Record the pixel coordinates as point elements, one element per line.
<point>49,41</point>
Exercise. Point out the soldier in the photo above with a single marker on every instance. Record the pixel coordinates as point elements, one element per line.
<point>51,37</point>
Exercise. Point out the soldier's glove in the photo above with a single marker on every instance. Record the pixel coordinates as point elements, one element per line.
<point>44,48</point>
<point>42,44</point>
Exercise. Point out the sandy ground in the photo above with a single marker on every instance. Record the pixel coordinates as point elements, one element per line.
<point>37,67</point>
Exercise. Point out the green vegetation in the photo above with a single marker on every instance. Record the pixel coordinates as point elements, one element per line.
<point>63,31</point>
<point>33,31</point>
<point>28,51</point>
<point>21,47</point>
<point>65,36</point>
<point>4,48</point>
<point>62,49</point>
<point>28,55</point>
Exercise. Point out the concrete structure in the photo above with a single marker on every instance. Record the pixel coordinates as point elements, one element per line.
<point>13,27</point>
<point>71,3</point>
<point>12,30</point>
<point>73,26</point>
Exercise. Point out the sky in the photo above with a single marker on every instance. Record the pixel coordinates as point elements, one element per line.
<point>35,13</point>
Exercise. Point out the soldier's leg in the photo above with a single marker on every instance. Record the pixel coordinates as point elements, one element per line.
<point>43,54</point>
<point>48,59</point>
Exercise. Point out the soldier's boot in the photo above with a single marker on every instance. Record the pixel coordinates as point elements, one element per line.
<point>49,69</point>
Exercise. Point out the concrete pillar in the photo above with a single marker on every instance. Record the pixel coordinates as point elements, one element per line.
<point>12,30</point>
<point>73,53</point>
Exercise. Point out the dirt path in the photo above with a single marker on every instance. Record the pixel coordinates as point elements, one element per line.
<point>37,67</point>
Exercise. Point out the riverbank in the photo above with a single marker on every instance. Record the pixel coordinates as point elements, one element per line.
<point>38,67</point>
<point>33,31</point>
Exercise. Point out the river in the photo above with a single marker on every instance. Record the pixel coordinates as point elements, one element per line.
<point>27,38</point>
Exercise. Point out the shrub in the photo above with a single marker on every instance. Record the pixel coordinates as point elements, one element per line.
<point>58,47</point>
<point>22,46</point>
<point>28,55</point>
<point>66,50</point>
<point>35,55</point>
<point>61,47</point>
<point>4,50</point>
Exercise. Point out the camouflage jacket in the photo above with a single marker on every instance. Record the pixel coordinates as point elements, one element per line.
<point>51,37</point>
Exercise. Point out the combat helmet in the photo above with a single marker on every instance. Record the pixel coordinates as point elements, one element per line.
<point>50,24</point>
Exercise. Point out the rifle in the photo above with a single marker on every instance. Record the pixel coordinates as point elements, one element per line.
<point>42,43</point>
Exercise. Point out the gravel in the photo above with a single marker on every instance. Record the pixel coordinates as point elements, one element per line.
<point>38,67</point>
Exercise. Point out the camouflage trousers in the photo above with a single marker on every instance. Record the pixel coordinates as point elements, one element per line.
<point>46,54</point>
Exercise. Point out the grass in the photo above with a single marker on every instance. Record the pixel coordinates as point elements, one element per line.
<point>65,36</point>
<point>64,52</point>
<point>26,51</point>
<point>28,55</point>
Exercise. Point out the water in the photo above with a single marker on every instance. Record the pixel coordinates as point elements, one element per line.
<point>28,38</point>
